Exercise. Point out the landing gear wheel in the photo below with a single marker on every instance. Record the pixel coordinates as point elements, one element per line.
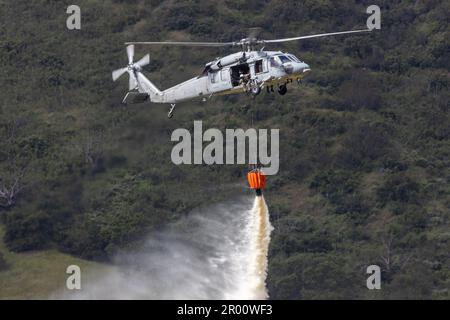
<point>255,90</point>
<point>282,90</point>
<point>170,114</point>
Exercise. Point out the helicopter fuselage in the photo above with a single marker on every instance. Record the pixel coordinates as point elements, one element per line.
<point>247,71</point>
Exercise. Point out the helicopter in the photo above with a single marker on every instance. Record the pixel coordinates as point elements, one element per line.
<point>250,70</point>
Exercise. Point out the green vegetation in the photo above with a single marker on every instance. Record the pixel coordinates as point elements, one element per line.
<point>364,176</point>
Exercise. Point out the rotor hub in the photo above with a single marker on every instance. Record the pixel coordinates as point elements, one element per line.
<point>248,43</point>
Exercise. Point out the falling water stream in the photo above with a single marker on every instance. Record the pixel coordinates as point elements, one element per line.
<point>216,252</point>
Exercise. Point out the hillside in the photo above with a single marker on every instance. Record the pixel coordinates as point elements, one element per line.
<point>364,141</point>
<point>39,274</point>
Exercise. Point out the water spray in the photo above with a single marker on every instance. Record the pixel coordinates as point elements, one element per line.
<point>226,259</point>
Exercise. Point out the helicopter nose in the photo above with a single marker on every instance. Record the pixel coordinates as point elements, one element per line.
<point>293,68</point>
<point>305,67</point>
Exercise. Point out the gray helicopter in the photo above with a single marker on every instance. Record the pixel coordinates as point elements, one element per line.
<point>249,70</point>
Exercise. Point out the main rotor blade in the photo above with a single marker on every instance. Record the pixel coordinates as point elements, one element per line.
<point>144,61</point>
<point>132,81</point>
<point>312,36</point>
<point>130,53</point>
<point>116,74</point>
<point>193,44</point>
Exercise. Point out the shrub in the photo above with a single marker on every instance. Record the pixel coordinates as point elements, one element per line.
<point>340,188</point>
<point>398,188</point>
<point>361,91</point>
<point>364,143</point>
<point>28,232</point>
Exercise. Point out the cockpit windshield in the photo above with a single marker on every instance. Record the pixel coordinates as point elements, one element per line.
<point>294,58</point>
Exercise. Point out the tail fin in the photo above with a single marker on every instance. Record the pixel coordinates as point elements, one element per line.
<point>146,86</point>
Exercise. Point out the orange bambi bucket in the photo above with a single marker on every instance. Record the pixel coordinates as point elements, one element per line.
<point>256,180</point>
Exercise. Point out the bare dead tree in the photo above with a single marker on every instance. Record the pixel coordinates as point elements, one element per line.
<point>393,258</point>
<point>92,147</point>
<point>386,256</point>
<point>13,164</point>
<point>10,188</point>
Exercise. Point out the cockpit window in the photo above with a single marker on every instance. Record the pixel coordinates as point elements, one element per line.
<point>284,59</point>
<point>274,62</point>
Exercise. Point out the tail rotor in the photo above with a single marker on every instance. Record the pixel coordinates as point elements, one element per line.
<point>132,68</point>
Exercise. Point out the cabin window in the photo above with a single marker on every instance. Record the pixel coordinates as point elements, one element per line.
<point>259,66</point>
<point>223,75</point>
<point>213,76</point>
<point>274,62</point>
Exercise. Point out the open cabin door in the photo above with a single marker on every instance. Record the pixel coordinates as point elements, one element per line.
<point>239,73</point>
<point>219,80</point>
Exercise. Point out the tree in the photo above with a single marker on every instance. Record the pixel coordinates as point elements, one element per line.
<point>28,231</point>
<point>360,91</point>
<point>16,157</point>
<point>91,145</point>
<point>365,143</point>
<point>10,187</point>
<point>3,264</point>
